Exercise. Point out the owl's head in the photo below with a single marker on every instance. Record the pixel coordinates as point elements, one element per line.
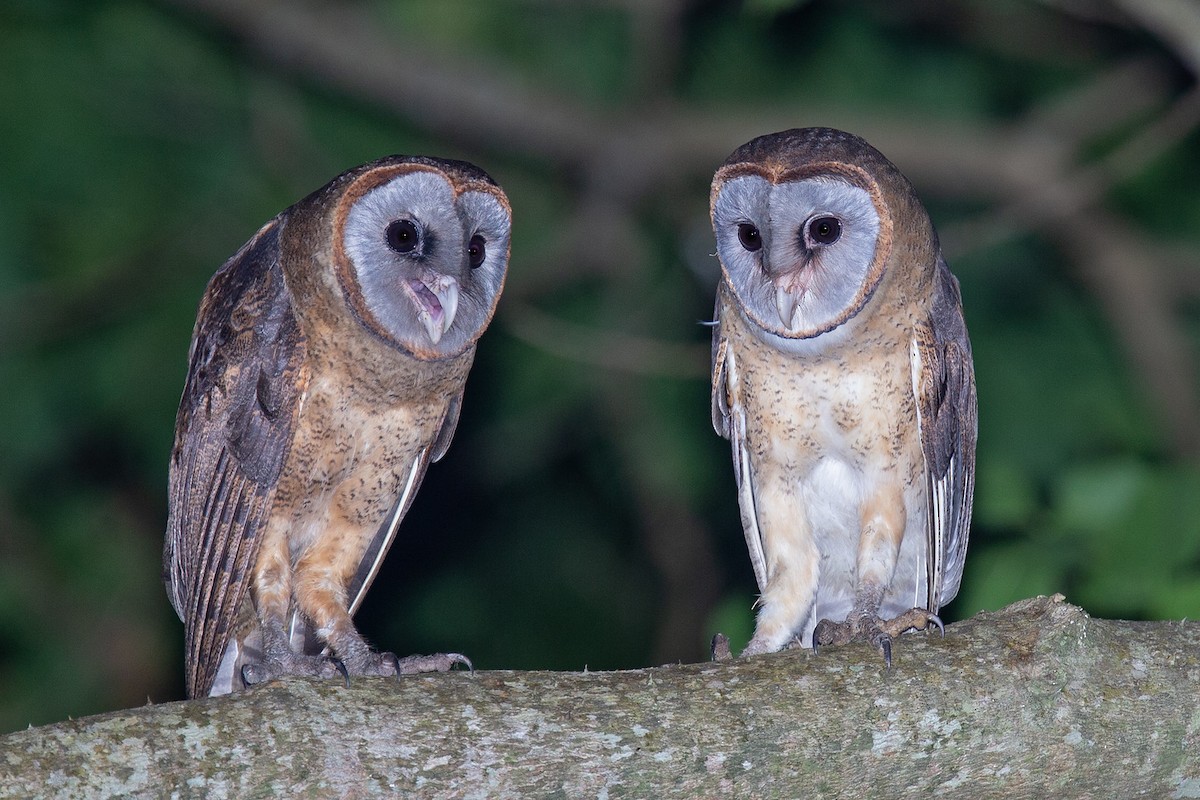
<point>420,249</point>
<point>806,225</point>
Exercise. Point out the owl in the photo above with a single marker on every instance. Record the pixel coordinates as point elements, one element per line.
<point>326,372</point>
<point>842,377</point>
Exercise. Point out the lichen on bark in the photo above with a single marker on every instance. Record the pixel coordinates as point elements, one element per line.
<point>1036,700</point>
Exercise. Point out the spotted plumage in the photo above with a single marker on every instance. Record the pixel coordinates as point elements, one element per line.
<point>326,372</point>
<point>842,377</point>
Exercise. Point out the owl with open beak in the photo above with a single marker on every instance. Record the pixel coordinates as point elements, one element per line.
<point>326,372</point>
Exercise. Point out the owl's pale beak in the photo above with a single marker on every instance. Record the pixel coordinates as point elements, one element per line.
<point>788,304</point>
<point>790,290</point>
<point>437,302</point>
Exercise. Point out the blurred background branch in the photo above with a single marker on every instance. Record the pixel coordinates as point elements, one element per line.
<point>592,518</point>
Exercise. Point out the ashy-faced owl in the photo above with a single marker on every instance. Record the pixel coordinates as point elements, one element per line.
<point>842,377</point>
<point>326,372</point>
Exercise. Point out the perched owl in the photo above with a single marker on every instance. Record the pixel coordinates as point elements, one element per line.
<point>326,372</point>
<point>842,377</point>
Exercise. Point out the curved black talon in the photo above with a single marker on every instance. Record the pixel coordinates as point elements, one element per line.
<point>340,667</point>
<point>393,664</point>
<point>886,646</point>
<point>936,620</point>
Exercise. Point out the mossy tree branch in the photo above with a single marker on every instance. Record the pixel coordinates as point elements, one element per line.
<point>1036,700</point>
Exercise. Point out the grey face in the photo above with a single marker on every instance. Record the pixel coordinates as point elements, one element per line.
<point>798,255</point>
<point>428,262</point>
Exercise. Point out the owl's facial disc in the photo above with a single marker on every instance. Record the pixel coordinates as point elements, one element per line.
<point>799,254</point>
<point>424,258</point>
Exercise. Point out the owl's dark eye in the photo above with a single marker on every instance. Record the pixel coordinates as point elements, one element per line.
<point>403,236</point>
<point>749,236</point>
<point>476,251</point>
<point>825,230</point>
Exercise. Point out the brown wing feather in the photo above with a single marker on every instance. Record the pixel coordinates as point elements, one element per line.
<point>944,384</point>
<point>232,434</point>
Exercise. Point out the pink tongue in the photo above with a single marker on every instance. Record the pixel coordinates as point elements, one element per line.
<point>427,297</point>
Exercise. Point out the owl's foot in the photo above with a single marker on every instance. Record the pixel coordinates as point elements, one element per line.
<point>288,664</point>
<point>371,663</point>
<point>875,630</point>
<point>437,662</point>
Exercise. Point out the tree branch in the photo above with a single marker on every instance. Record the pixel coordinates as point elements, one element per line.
<point>1037,700</point>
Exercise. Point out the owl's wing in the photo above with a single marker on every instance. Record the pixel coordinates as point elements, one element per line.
<point>356,590</point>
<point>729,421</point>
<point>947,417</point>
<point>232,434</point>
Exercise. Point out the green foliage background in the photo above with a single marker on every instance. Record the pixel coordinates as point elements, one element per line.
<point>585,515</point>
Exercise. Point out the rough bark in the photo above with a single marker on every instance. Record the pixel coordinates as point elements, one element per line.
<point>1037,700</point>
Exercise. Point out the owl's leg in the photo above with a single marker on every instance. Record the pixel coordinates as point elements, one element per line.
<point>320,592</point>
<point>271,591</point>
<point>883,522</point>
<point>345,640</point>
<point>792,566</point>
